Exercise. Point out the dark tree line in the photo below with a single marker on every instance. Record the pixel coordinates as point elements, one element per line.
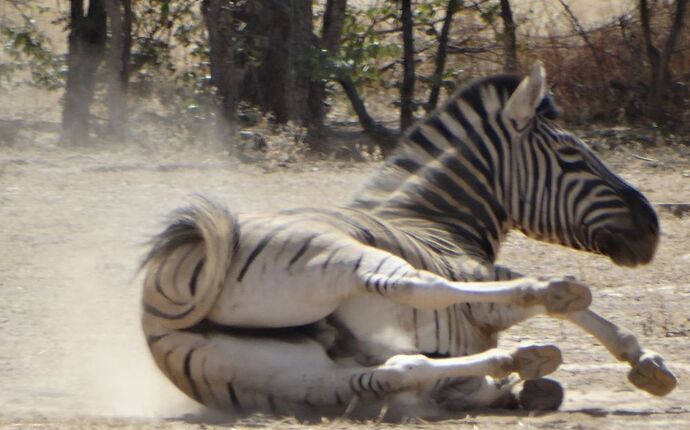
<point>273,54</point>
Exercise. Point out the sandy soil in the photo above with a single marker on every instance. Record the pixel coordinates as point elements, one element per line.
<point>71,235</point>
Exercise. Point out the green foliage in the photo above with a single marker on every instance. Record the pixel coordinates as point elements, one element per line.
<point>426,11</point>
<point>363,50</point>
<point>371,48</point>
<point>170,44</point>
<point>165,32</point>
<point>28,49</point>
<point>170,57</point>
<point>490,13</point>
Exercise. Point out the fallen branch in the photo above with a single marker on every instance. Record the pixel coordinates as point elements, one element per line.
<point>676,209</point>
<point>639,157</point>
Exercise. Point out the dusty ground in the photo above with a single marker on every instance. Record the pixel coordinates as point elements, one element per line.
<point>72,226</point>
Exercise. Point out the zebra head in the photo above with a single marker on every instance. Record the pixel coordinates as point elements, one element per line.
<point>559,190</point>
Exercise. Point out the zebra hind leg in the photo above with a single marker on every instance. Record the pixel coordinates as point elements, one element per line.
<point>540,394</point>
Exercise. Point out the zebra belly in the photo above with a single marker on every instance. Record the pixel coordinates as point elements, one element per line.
<point>382,328</point>
<point>272,304</point>
<point>284,285</point>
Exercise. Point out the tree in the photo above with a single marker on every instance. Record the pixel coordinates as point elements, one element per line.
<point>120,17</point>
<point>328,46</point>
<point>27,47</point>
<point>280,34</point>
<point>384,136</point>
<point>583,34</point>
<point>226,68</point>
<point>509,38</point>
<point>86,44</point>
<point>407,86</point>
<point>660,59</point>
<point>440,62</point>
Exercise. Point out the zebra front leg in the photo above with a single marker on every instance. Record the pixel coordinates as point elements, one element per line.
<point>392,277</point>
<point>529,362</point>
<point>649,371</point>
<point>248,374</point>
<point>503,393</point>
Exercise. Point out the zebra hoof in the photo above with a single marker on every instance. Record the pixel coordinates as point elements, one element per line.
<point>652,375</point>
<point>540,394</point>
<point>535,361</point>
<point>563,296</point>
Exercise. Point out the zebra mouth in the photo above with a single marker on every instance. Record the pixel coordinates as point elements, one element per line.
<point>626,248</point>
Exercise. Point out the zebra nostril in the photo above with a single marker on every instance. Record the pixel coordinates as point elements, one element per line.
<point>643,214</point>
<point>649,225</point>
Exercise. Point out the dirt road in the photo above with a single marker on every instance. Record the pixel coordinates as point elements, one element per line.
<point>71,233</point>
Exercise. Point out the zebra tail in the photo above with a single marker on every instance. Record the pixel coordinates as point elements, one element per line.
<point>187,265</point>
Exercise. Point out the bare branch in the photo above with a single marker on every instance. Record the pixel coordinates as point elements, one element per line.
<point>583,34</point>
<point>386,137</point>
<point>440,62</point>
<point>454,49</point>
<point>676,27</point>
<point>419,24</point>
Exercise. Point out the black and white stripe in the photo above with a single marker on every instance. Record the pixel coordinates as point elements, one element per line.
<point>461,179</point>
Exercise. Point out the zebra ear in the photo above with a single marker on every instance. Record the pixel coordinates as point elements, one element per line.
<point>522,105</point>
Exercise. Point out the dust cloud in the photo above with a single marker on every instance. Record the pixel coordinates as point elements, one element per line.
<point>74,224</point>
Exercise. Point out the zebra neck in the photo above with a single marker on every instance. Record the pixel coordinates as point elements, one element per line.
<point>457,229</point>
<point>451,172</point>
<point>460,213</point>
<point>443,198</point>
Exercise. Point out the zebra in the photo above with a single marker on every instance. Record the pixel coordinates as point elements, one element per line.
<point>391,306</point>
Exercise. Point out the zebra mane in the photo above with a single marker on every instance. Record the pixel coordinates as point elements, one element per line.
<point>505,84</point>
<point>407,159</point>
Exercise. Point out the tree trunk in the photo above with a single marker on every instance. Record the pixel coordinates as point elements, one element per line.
<point>127,42</point>
<point>333,20</point>
<point>299,62</point>
<point>509,38</point>
<point>437,79</point>
<point>659,60</point>
<point>226,74</point>
<point>407,86</point>
<point>116,98</point>
<point>86,44</point>
<point>282,32</point>
<point>653,54</point>
<point>385,137</point>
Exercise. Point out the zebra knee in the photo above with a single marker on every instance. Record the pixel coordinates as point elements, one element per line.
<point>403,371</point>
<point>423,290</point>
<point>628,347</point>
